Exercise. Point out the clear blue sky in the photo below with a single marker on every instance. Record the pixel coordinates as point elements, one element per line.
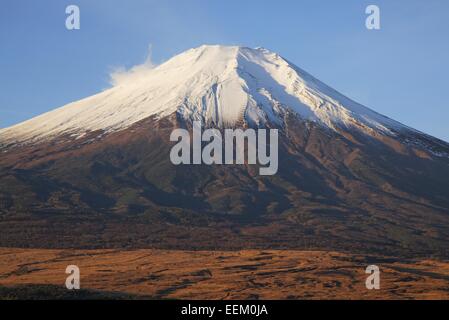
<point>401,71</point>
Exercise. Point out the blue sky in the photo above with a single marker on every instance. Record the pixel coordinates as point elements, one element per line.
<point>401,70</point>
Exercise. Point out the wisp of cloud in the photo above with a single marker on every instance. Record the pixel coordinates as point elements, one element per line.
<point>121,74</point>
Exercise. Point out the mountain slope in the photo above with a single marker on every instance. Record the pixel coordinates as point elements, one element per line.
<point>97,173</point>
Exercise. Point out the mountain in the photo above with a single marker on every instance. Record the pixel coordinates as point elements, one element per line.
<point>97,172</point>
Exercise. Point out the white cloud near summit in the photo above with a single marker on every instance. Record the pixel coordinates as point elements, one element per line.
<point>121,74</point>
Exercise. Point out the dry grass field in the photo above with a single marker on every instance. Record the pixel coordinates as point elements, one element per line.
<point>252,274</point>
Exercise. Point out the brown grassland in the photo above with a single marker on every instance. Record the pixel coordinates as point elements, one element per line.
<point>248,274</point>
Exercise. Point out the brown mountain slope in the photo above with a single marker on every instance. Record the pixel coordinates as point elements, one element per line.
<point>334,191</point>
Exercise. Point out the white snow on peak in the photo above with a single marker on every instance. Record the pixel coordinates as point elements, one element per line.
<point>220,85</point>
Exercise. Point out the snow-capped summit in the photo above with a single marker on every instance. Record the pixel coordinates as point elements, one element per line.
<point>220,85</point>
